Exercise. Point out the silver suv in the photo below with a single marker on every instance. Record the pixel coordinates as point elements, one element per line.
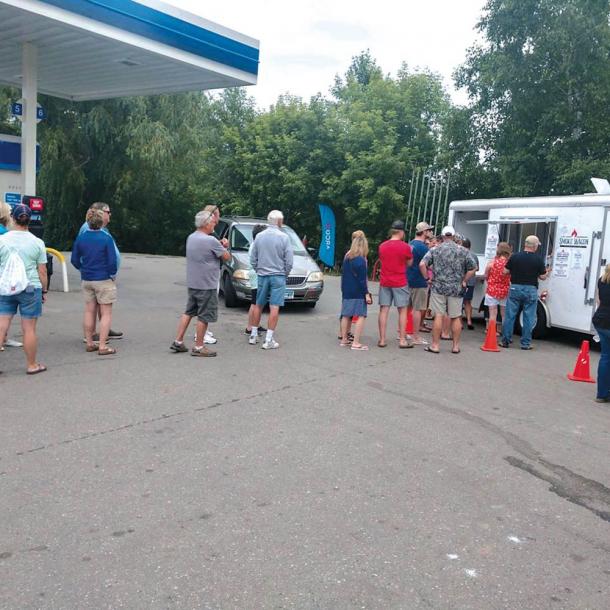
<point>304,284</point>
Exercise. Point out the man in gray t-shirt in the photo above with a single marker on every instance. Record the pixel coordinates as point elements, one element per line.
<point>203,255</point>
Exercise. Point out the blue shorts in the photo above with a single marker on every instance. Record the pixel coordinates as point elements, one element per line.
<point>29,304</point>
<point>271,289</point>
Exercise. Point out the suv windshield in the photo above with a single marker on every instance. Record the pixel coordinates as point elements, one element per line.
<point>241,238</point>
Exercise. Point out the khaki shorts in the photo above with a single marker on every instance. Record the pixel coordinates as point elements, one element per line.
<point>419,298</point>
<point>102,292</point>
<point>441,304</point>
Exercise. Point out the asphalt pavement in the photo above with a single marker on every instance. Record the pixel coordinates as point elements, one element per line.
<point>308,477</point>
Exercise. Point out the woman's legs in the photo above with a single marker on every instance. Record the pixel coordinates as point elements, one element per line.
<point>603,368</point>
<point>358,328</point>
<point>89,321</point>
<point>493,313</point>
<point>344,328</point>
<point>105,320</point>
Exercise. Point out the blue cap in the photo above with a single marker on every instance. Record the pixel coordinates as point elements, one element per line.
<point>21,210</point>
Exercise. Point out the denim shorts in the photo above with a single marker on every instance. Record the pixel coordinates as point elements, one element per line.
<point>353,307</point>
<point>28,303</point>
<point>271,289</point>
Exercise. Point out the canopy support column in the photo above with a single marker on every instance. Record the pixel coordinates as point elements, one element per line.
<point>29,93</point>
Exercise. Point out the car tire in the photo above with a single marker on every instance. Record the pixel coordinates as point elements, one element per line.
<point>229,292</point>
<point>311,305</point>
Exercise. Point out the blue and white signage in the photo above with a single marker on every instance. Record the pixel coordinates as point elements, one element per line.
<point>17,110</point>
<point>12,198</point>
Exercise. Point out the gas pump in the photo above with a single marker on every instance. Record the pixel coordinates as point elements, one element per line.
<point>11,185</point>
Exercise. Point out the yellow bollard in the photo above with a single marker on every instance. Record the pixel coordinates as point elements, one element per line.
<point>64,268</point>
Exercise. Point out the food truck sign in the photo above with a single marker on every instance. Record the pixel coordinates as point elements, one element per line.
<point>574,240</point>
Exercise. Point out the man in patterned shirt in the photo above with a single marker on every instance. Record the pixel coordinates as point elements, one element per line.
<point>453,267</point>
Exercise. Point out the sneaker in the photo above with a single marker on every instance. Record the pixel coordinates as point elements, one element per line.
<point>202,352</point>
<point>261,329</point>
<point>252,340</point>
<point>12,343</point>
<point>115,334</point>
<point>208,338</point>
<point>527,347</point>
<point>271,344</point>
<point>504,343</point>
<point>178,347</point>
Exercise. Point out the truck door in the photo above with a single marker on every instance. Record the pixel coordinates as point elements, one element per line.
<point>576,267</point>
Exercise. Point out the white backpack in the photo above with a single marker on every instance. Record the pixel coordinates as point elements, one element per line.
<point>13,278</point>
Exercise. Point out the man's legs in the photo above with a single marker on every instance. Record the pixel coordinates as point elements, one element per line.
<point>512,309</point>
<point>456,331</point>
<point>417,318</point>
<point>274,315</point>
<point>402,323</point>
<point>185,320</point>
<point>437,327</point>
<point>384,310</point>
<point>200,330</point>
<point>530,304</point>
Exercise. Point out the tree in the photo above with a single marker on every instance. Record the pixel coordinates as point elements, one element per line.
<point>539,85</point>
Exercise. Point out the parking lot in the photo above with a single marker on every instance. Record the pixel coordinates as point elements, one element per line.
<point>306,477</point>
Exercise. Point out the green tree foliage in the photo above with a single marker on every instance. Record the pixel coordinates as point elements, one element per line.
<point>156,160</point>
<point>540,84</point>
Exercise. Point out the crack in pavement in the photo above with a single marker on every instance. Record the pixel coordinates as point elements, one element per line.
<point>588,493</point>
<point>166,416</point>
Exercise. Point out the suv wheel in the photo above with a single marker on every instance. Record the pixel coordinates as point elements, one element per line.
<point>229,292</point>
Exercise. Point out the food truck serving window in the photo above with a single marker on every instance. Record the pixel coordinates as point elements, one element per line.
<point>515,230</point>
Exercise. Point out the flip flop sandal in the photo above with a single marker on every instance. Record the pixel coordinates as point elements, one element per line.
<point>107,351</point>
<point>405,346</point>
<point>425,330</point>
<point>456,351</point>
<point>420,342</point>
<point>41,368</point>
<point>92,348</point>
<point>446,339</point>
<point>360,348</point>
<point>432,351</point>
<point>348,344</point>
<point>380,344</point>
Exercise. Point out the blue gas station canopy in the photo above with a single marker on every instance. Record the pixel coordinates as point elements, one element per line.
<point>97,49</point>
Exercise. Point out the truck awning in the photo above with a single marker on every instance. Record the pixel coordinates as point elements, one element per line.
<point>514,221</point>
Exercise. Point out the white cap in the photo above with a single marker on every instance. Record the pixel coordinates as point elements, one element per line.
<point>448,230</point>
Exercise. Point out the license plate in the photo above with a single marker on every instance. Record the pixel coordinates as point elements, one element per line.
<point>289,294</point>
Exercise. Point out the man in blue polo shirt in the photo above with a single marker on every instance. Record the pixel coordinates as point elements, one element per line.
<point>418,284</point>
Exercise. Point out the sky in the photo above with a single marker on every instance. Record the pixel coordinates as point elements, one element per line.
<point>303,45</point>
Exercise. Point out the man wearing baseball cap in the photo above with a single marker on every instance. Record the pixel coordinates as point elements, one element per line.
<point>453,267</point>
<point>33,253</point>
<point>418,283</point>
<point>395,256</point>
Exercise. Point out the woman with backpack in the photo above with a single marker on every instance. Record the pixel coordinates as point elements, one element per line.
<point>23,273</point>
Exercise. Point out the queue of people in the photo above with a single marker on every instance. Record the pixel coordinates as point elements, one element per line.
<point>434,275</point>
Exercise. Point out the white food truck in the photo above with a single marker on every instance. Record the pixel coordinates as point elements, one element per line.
<point>574,243</point>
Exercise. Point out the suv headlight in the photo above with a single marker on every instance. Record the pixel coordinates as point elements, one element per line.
<point>241,274</point>
<point>315,276</point>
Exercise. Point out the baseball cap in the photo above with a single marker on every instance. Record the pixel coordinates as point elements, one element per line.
<point>420,227</point>
<point>398,225</point>
<point>448,230</point>
<point>21,210</point>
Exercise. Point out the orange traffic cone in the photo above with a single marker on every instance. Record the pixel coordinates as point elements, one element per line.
<point>409,326</point>
<point>491,341</point>
<point>581,368</point>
